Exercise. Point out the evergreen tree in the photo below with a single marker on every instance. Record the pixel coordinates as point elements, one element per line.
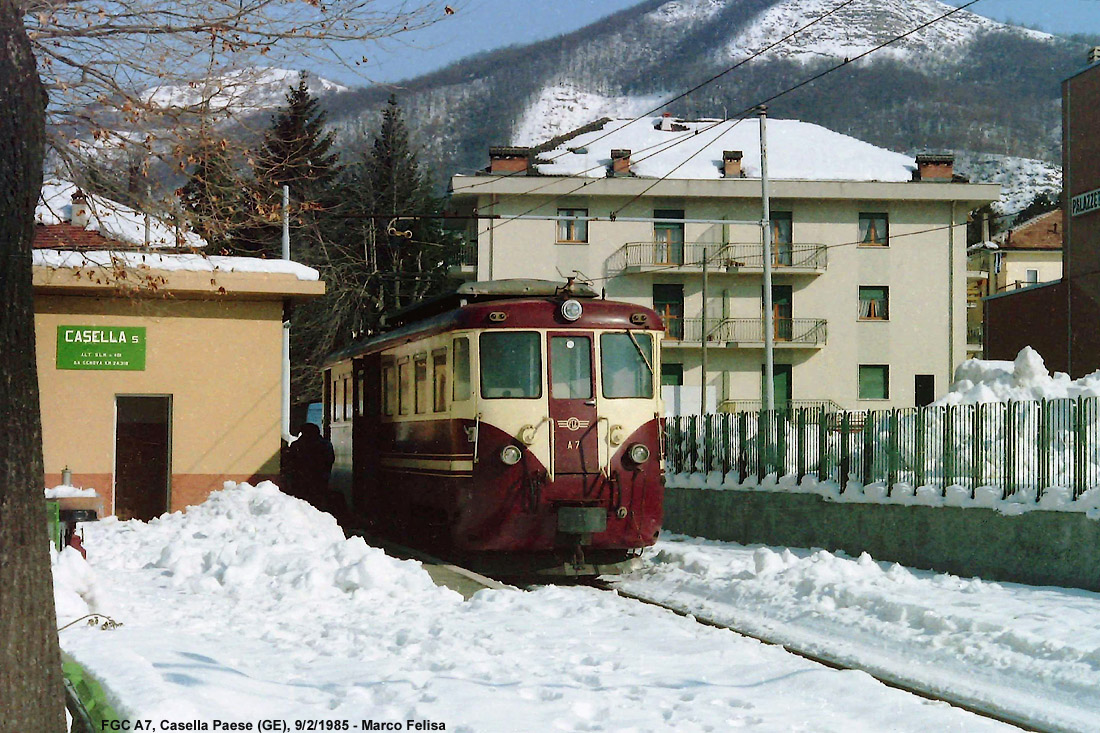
<point>212,195</point>
<point>380,252</point>
<point>297,152</point>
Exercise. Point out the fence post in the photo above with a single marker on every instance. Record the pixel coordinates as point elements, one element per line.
<point>867,452</point>
<point>922,416</point>
<point>693,452</point>
<point>1010,450</point>
<point>800,444</point>
<point>977,424</point>
<point>1079,438</point>
<point>892,454</point>
<point>948,448</point>
<point>822,444</point>
<point>845,456</point>
<point>1044,448</point>
<point>708,442</point>
<point>780,418</point>
<point>761,446</point>
<point>742,446</point>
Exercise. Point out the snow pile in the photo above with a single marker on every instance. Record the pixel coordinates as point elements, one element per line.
<point>74,585</point>
<point>1032,651</point>
<point>243,90</point>
<point>247,539</point>
<point>693,149</point>
<point>1026,378</point>
<point>169,262</point>
<point>110,218</point>
<point>863,25</point>
<point>68,492</point>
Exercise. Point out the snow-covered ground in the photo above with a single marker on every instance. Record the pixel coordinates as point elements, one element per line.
<point>1032,651</point>
<point>253,606</point>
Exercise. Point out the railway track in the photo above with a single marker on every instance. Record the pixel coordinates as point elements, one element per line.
<point>890,680</point>
<point>468,582</point>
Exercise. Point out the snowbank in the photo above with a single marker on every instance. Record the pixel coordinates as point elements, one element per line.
<point>1026,378</point>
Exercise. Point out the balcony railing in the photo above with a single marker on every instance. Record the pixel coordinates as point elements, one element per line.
<point>749,331</point>
<point>974,334</point>
<point>720,256</point>
<point>465,254</point>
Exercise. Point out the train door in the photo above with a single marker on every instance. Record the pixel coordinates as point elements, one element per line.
<point>572,403</point>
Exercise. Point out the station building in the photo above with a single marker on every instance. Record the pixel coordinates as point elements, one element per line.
<point>159,370</point>
<point>1059,319</point>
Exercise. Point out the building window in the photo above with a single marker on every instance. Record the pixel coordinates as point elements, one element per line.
<point>461,366</point>
<point>1032,277</point>
<point>668,237</point>
<point>672,375</point>
<point>668,301</point>
<point>874,303</point>
<point>782,226</point>
<point>572,231</point>
<point>439,380</point>
<point>874,382</point>
<point>873,230</point>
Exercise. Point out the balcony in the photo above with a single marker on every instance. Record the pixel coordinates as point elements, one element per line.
<point>746,333</point>
<point>462,263</point>
<point>974,337</point>
<point>788,259</point>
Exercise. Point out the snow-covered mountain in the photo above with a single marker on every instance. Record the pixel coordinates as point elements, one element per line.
<point>241,91</point>
<point>963,83</point>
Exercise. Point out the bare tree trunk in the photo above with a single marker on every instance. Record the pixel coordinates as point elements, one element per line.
<point>30,664</point>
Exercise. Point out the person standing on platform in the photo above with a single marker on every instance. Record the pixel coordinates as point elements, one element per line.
<point>310,460</point>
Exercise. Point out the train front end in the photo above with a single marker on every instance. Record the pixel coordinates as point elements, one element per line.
<point>566,430</point>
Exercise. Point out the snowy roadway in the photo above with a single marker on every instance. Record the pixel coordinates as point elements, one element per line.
<point>253,606</point>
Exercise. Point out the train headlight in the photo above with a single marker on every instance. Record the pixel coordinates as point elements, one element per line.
<point>510,455</point>
<point>616,434</point>
<point>571,310</point>
<point>638,453</point>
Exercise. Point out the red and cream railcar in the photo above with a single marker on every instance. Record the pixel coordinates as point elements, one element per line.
<point>516,423</point>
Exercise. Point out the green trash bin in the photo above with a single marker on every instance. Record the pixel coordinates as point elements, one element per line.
<point>53,522</point>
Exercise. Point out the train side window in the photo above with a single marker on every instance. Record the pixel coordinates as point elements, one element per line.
<point>439,380</point>
<point>389,387</point>
<point>360,384</point>
<point>421,374</point>
<point>511,365</point>
<point>404,386</point>
<point>347,399</point>
<point>461,380</point>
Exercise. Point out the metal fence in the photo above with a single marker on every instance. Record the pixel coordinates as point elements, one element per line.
<point>1016,446</point>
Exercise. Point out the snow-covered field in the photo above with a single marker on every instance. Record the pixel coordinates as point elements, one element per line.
<point>253,606</point>
<point>1033,651</point>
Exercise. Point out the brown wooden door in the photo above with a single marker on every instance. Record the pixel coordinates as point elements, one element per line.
<point>572,403</point>
<point>143,438</point>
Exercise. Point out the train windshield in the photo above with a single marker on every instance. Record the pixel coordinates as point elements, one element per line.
<point>626,361</point>
<point>511,365</point>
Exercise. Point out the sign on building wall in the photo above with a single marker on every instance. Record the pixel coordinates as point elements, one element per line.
<point>1084,203</point>
<point>101,347</point>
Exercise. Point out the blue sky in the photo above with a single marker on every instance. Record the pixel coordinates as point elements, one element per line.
<point>482,25</point>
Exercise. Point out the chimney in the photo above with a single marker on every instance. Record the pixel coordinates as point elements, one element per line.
<point>509,160</point>
<point>666,122</point>
<point>731,163</point>
<point>1094,55</point>
<point>80,213</point>
<point>620,162</point>
<point>935,167</point>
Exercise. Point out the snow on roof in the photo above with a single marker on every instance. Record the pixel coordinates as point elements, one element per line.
<point>157,261</point>
<point>110,218</point>
<point>693,149</point>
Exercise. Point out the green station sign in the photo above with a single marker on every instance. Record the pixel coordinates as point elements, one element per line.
<point>101,347</point>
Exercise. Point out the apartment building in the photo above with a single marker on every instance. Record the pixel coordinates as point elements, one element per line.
<point>868,251</point>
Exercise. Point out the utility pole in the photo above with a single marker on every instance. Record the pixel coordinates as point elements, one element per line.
<point>285,406</point>
<point>703,384</point>
<point>766,243</point>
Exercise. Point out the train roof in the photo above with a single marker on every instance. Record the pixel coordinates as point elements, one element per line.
<point>470,304</point>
